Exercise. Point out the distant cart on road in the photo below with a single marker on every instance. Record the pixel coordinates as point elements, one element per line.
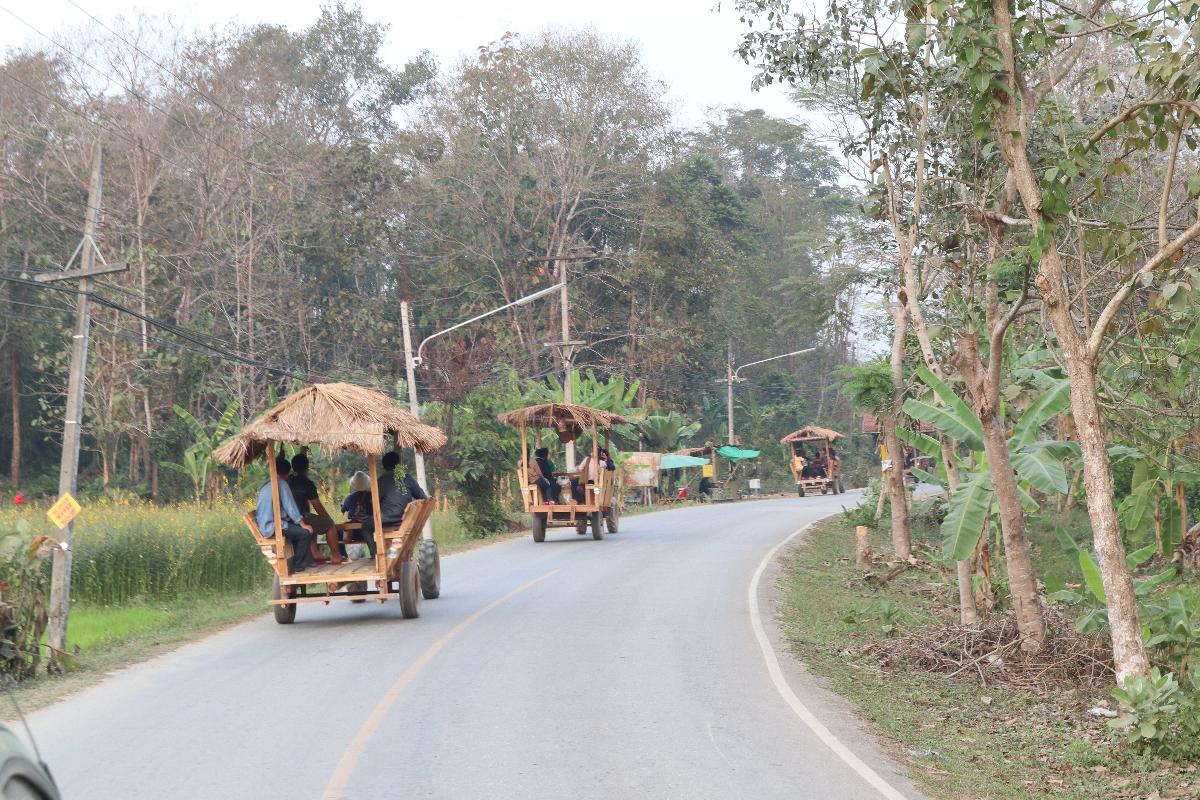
<point>815,464</point>
<point>601,501</point>
<point>340,416</point>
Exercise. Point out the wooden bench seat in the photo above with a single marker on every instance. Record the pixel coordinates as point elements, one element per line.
<point>400,541</point>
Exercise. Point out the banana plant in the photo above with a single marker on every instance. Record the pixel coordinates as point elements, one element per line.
<point>198,463</point>
<point>1097,617</point>
<point>1038,462</point>
<point>665,433</point>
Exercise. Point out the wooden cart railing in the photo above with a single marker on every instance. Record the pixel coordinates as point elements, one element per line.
<point>398,543</point>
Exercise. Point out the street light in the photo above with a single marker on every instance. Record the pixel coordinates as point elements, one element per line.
<point>411,362</point>
<point>731,377</point>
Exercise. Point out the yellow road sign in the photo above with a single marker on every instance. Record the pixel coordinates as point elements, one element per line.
<point>65,509</point>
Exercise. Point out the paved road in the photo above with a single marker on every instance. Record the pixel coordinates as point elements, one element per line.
<point>625,668</point>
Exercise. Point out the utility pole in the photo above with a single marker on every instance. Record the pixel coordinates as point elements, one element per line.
<point>567,345</point>
<point>729,396</point>
<point>568,383</point>
<point>731,377</point>
<point>68,473</point>
<point>413,405</point>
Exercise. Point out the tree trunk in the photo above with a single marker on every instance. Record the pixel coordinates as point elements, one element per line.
<point>901,541</point>
<point>14,387</point>
<point>1018,558</point>
<point>1125,627</point>
<point>968,613</point>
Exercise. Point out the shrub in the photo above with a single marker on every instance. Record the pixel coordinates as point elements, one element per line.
<point>23,583</point>
<point>1159,717</point>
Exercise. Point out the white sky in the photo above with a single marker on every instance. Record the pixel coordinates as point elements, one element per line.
<point>689,44</point>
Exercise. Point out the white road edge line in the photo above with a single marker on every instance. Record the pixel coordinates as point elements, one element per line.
<point>781,685</point>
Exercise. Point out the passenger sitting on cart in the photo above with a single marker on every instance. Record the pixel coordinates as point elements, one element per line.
<point>357,507</point>
<point>295,529</point>
<point>546,467</point>
<point>304,491</point>
<point>589,471</point>
<point>806,465</point>
<point>392,501</point>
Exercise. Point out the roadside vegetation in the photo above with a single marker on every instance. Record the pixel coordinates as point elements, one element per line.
<point>967,712</point>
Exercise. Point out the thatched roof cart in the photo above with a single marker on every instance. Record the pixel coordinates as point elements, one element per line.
<point>814,462</point>
<point>340,416</point>
<point>570,499</point>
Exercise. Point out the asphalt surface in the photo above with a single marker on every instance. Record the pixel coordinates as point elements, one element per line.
<point>622,668</point>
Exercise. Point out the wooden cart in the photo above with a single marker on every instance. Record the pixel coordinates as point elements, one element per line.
<point>342,416</point>
<point>601,504</point>
<point>809,439</point>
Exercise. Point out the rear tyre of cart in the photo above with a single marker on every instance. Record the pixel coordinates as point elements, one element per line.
<point>429,564</point>
<point>410,590</point>
<point>581,525</point>
<point>284,615</point>
<point>597,526</point>
<point>539,527</point>
<point>841,487</point>
<point>612,517</point>
<point>800,489</point>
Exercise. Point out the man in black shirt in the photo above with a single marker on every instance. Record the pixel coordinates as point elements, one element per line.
<point>305,492</point>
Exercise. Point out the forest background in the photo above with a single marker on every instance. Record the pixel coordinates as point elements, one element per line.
<point>278,192</point>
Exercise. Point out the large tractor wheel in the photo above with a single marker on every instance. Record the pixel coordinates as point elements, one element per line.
<point>539,527</point>
<point>410,590</point>
<point>597,526</point>
<point>429,564</point>
<point>613,518</point>
<point>284,615</point>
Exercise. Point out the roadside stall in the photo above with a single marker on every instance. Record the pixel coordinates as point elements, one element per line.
<point>814,463</point>
<point>340,416</point>
<point>674,461</point>
<point>640,471</point>
<point>601,502</point>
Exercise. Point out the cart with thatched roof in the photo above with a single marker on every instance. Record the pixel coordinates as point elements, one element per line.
<point>339,416</point>
<point>601,499</point>
<point>815,465</point>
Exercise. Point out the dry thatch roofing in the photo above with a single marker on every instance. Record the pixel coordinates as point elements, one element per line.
<point>561,415</point>
<point>811,432</point>
<point>335,416</point>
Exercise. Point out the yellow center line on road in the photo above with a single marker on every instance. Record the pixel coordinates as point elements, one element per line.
<point>349,759</point>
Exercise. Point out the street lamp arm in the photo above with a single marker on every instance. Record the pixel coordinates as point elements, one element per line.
<point>529,298</point>
<point>772,358</point>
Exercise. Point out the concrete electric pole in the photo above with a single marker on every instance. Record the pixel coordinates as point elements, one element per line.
<point>68,472</point>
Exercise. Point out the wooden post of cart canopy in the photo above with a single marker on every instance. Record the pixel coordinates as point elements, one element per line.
<point>280,543</point>
<point>380,553</point>
<point>595,463</point>
<point>862,540</point>
<point>523,478</point>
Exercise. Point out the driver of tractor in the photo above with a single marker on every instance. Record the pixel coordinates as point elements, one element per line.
<point>819,466</point>
<point>295,529</point>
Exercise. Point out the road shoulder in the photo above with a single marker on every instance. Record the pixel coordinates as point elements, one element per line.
<point>835,712</point>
